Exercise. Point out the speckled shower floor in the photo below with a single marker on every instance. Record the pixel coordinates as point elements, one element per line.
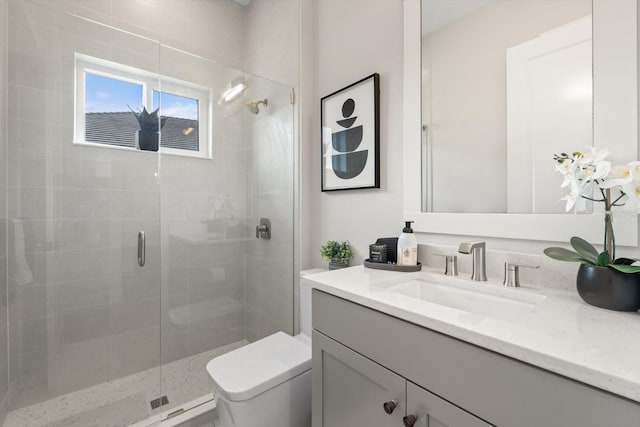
<point>124,401</point>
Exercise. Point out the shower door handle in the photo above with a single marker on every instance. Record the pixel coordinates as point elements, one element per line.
<point>142,247</point>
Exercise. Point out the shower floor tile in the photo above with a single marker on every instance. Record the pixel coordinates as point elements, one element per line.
<point>125,400</point>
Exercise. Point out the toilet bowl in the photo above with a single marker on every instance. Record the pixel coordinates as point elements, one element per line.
<point>268,382</point>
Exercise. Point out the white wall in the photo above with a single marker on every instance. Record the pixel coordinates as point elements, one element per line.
<point>212,29</point>
<point>355,39</point>
<point>272,38</point>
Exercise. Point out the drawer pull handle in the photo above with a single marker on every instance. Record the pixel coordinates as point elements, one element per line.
<point>409,420</point>
<point>390,406</point>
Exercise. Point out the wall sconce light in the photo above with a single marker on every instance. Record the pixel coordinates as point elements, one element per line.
<point>232,91</point>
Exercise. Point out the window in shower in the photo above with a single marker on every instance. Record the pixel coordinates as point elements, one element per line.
<point>106,92</point>
<point>180,131</point>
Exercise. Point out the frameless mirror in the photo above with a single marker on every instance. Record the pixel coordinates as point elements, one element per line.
<point>503,86</point>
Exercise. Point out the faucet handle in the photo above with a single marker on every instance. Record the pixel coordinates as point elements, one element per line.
<point>451,264</point>
<point>512,274</point>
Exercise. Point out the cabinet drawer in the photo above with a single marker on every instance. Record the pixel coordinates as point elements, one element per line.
<point>432,411</point>
<point>498,389</point>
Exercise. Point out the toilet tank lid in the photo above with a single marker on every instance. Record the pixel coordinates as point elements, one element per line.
<point>257,367</point>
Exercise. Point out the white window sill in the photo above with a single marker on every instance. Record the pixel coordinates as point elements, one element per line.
<point>163,151</point>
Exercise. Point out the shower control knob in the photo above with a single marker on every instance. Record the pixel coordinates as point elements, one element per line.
<point>390,406</point>
<point>409,420</point>
<point>263,231</point>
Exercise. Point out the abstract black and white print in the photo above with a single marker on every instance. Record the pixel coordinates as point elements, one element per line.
<point>350,136</point>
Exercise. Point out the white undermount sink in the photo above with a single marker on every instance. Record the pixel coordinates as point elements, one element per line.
<point>484,298</point>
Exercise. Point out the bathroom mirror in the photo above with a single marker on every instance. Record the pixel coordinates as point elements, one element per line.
<point>493,88</point>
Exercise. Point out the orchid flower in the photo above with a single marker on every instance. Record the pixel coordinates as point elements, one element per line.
<point>631,188</point>
<point>618,186</point>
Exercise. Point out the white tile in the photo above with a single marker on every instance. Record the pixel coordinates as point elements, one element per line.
<point>76,265</point>
<point>83,325</point>
<point>84,293</point>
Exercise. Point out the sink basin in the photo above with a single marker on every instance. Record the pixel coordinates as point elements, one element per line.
<point>480,298</point>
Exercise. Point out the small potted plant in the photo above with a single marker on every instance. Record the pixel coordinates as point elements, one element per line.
<point>337,253</point>
<point>603,280</point>
<point>148,137</point>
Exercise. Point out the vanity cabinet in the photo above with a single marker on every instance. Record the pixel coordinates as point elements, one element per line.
<point>358,392</point>
<point>363,358</point>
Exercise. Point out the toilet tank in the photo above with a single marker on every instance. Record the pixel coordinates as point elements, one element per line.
<point>306,286</point>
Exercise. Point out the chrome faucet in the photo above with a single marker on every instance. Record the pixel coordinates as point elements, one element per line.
<point>477,249</point>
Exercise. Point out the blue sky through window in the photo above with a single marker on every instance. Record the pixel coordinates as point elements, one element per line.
<point>106,94</point>
<point>175,105</point>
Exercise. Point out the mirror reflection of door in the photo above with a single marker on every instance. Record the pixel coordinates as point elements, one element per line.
<point>468,155</point>
<point>549,105</point>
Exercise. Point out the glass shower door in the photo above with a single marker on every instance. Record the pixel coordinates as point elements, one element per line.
<point>84,310</point>
<point>221,286</point>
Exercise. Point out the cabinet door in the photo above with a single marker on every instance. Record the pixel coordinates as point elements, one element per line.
<point>432,411</point>
<point>351,390</point>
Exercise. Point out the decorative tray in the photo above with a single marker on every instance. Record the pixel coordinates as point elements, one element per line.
<point>392,267</point>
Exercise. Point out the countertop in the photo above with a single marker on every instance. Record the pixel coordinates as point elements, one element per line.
<point>561,334</point>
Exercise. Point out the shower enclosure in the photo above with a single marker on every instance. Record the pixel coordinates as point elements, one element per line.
<point>127,269</point>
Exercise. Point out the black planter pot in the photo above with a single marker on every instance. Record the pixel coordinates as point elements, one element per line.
<point>609,288</point>
<point>336,264</point>
<point>147,140</point>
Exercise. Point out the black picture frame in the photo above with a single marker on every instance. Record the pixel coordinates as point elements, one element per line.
<point>350,136</point>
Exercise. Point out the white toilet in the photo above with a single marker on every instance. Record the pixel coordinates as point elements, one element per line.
<point>268,382</point>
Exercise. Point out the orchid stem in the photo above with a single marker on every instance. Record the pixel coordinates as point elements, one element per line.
<point>609,239</point>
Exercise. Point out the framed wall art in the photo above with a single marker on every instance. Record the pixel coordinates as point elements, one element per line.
<point>350,120</point>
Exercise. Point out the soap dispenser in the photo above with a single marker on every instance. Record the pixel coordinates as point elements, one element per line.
<point>407,246</point>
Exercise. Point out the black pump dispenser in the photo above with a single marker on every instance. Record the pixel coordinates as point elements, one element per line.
<point>407,227</point>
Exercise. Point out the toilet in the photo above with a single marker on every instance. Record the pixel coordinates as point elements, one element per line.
<point>268,382</point>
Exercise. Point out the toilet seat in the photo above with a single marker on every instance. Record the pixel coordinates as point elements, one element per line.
<point>257,367</point>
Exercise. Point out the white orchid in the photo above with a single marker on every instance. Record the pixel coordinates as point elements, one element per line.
<point>584,172</point>
<point>631,186</point>
<point>593,156</point>
<point>618,176</point>
<point>580,172</point>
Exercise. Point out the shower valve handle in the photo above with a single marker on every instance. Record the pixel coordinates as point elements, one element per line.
<point>264,229</point>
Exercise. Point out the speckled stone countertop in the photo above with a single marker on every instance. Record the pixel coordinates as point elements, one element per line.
<point>557,332</point>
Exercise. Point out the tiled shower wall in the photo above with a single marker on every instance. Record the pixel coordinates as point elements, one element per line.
<point>269,295</point>
<point>4,367</point>
<point>82,312</point>
<point>272,51</point>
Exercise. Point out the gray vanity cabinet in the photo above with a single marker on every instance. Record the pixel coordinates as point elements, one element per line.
<point>354,390</point>
<point>363,358</point>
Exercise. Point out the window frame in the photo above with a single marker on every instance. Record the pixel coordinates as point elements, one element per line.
<point>150,82</point>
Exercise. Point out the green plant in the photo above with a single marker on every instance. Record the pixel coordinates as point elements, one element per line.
<point>585,253</point>
<point>149,121</point>
<point>334,250</point>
